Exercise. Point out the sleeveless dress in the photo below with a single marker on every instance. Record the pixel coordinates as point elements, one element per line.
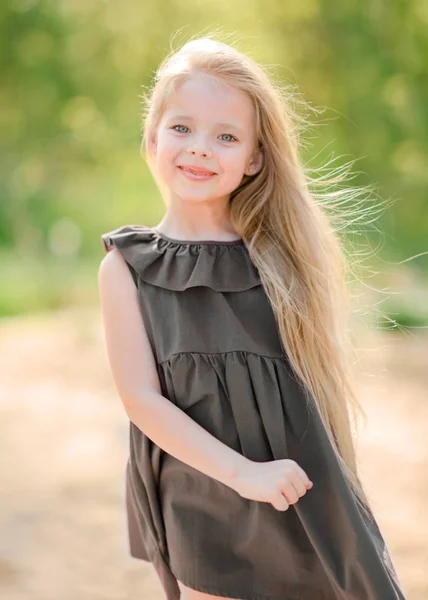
<point>219,359</point>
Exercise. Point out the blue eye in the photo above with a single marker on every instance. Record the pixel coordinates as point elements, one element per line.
<point>230,136</point>
<point>183,126</point>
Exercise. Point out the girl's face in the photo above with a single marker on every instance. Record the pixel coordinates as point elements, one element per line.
<point>209,128</point>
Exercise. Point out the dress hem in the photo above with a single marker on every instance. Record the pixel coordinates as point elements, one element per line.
<point>223,594</point>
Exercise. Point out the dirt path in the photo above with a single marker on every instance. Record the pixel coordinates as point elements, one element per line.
<point>63,444</point>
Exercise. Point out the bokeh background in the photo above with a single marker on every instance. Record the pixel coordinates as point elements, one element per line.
<point>73,73</point>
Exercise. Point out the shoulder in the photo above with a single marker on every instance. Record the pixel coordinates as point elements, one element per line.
<point>116,282</point>
<point>124,248</point>
<point>112,265</point>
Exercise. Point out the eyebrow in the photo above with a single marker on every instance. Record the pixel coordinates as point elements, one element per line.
<point>227,125</point>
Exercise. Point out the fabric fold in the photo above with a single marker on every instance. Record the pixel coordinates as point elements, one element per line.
<point>174,265</point>
<point>254,405</point>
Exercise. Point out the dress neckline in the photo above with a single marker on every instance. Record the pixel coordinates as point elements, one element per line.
<point>238,241</point>
<point>223,266</point>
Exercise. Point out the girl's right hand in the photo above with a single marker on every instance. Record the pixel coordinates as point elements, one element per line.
<point>280,482</point>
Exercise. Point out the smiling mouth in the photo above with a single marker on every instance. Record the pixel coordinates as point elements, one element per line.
<point>197,172</point>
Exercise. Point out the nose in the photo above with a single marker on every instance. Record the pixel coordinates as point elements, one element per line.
<point>199,148</point>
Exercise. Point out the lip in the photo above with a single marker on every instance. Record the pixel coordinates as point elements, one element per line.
<point>196,170</point>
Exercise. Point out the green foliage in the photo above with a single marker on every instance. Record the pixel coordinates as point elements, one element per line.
<point>71,117</point>
<point>407,313</point>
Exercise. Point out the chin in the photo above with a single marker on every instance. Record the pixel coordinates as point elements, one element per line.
<point>196,195</point>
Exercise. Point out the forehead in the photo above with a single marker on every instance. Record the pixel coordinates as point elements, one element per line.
<point>203,97</point>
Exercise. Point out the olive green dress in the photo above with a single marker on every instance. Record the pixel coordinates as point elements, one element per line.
<point>219,359</point>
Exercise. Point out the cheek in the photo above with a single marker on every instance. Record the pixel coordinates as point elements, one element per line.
<point>166,156</point>
<point>167,145</point>
<point>232,161</point>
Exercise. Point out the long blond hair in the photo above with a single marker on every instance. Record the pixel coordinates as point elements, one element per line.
<point>291,239</point>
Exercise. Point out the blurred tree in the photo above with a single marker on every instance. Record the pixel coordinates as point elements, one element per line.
<point>71,114</point>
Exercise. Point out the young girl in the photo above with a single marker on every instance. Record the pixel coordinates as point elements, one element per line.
<point>226,342</point>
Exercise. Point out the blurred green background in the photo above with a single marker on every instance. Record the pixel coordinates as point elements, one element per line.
<point>73,75</point>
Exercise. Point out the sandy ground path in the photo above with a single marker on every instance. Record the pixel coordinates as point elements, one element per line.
<point>63,448</point>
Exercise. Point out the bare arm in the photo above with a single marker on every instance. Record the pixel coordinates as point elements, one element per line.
<point>134,372</point>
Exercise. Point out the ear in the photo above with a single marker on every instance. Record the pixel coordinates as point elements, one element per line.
<point>255,163</point>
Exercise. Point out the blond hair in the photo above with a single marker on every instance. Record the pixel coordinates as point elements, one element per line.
<point>290,238</point>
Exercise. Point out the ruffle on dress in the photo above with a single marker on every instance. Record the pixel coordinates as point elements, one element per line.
<point>178,264</point>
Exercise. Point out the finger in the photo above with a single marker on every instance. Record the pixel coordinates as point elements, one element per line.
<point>303,475</point>
<point>301,484</point>
<point>280,502</point>
<point>290,492</point>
